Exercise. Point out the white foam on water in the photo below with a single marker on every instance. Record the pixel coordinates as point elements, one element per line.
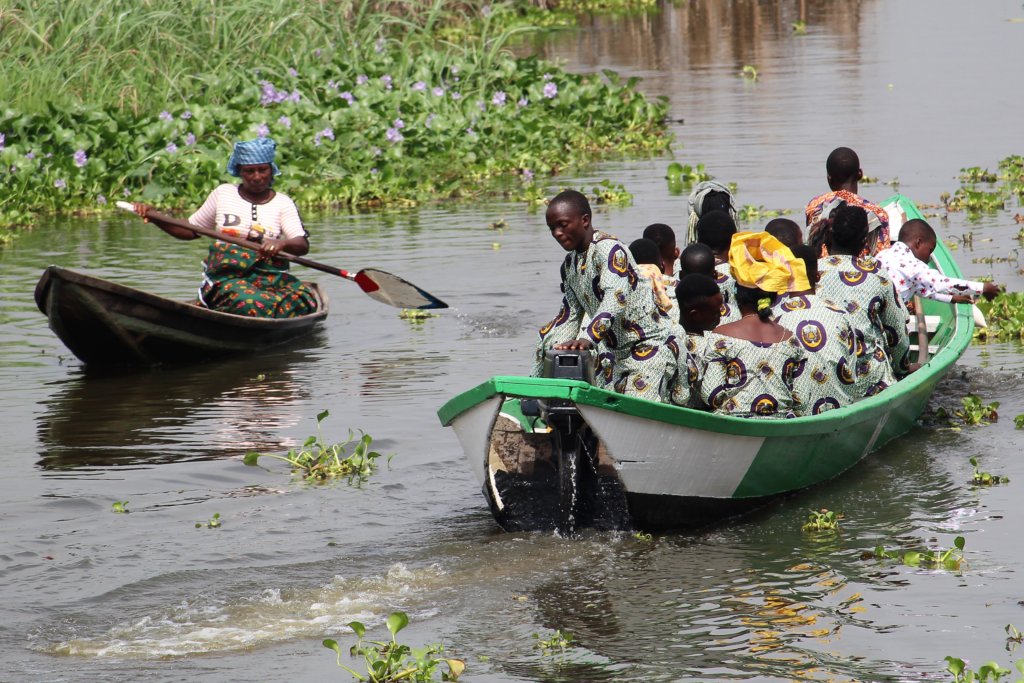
<point>206,626</point>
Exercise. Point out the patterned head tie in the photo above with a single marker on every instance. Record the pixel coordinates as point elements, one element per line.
<point>696,203</point>
<point>759,260</point>
<point>258,151</point>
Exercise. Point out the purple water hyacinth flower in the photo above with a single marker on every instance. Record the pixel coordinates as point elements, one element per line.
<point>166,116</point>
<point>377,151</point>
<point>430,120</point>
<point>522,102</point>
<point>285,121</point>
<point>317,52</point>
<point>3,141</point>
<point>126,192</point>
<point>172,148</point>
<point>419,86</point>
<point>527,175</point>
<point>81,158</point>
<point>438,91</point>
<point>456,96</point>
<point>386,80</point>
<point>328,133</point>
<point>362,78</point>
<point>269,94</point>
<point>293,72</point>
<point>399,124</point>
<point>100,199</point>
<point>482,105</point>
<point>485,11</point>
<point>550,90</point>
<point>30,155</point>
<point>59,183</point>
<point>499,98</point>
<point>262,130</point>
<point>186,115</point>
<point>548,77</point>
<point>348,97</point>
<point>393,135</point>
<point>332,85</point>
<point>190,139</point>
<point>471,132</point>
<point>295,96</point>
<point>374,171</point>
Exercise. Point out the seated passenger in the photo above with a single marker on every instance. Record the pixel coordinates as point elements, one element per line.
<point>823,329</point>
<point>707,196</point>
<point>752,363</point>
<point>648,261</point>
<point>906,261</point>
<point>600,279</point>
<point>859,284</point>
<point>715,229</point>
<point>665,237</point>
<point>785,231</point>
<point>700,305</point>
<point>843,172</point>
<point>697,259</point>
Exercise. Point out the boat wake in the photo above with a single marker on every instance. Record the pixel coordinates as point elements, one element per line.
<point>204,626</point>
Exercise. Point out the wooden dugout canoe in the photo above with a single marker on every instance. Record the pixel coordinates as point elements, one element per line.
<point>106,324</point>
<point>596,458</point>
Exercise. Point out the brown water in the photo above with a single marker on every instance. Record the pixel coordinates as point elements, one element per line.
<point>919,89</point>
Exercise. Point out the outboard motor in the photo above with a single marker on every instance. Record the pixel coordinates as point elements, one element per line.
<point>578,365</point>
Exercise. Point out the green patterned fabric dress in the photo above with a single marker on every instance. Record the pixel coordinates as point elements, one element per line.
<point>878,317</point>
<point>627,329</point>
<point>823,329</point>
<point>235,279</point>
<point>751,379</point>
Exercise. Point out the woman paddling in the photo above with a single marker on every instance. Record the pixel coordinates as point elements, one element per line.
<point>243,281</point>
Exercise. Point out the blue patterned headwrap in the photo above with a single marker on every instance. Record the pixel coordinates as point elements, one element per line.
<point>258,151</point>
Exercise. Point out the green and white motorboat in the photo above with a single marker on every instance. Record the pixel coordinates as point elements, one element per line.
<point>560,453</point>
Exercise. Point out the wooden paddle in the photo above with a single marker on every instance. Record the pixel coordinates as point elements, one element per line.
<point>378,284</point>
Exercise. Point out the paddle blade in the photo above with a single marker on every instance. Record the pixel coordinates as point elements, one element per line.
<point>394,291</point>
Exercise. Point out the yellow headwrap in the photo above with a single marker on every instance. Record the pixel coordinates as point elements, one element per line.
<point>759,260</point>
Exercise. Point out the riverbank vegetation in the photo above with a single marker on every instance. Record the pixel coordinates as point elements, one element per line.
<point>371,103</point>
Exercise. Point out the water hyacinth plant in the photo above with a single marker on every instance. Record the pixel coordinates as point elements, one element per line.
<point>316,461</point>
<point>391,661</point>
<point>950,559</point>
<point>377,110</point>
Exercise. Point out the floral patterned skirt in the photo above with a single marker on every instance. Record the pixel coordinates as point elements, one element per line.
<point>237,281</point>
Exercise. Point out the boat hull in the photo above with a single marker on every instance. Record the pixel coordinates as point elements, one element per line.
<point>673,467</point>
<point>106,324</point>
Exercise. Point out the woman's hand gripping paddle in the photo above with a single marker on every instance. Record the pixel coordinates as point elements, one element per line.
<point>378,284</point>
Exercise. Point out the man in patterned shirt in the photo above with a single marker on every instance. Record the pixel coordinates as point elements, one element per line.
<point>907,263</point>
<point>628,333</point>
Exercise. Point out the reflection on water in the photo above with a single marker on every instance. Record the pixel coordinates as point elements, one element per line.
<point>195,412</point>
